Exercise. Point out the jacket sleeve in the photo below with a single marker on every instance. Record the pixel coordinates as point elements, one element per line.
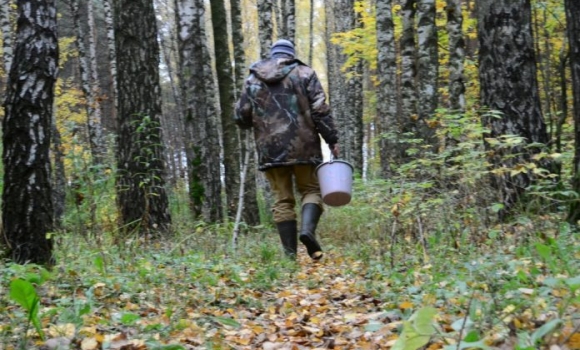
<point>320,111</point>
<point>243,110</point>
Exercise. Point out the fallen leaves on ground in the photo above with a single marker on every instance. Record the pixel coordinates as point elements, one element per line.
<point>338,303</point>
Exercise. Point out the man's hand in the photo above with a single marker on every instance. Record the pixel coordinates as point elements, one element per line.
<point>335,150</point>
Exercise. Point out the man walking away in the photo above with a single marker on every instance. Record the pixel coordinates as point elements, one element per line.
<point>284,102</point>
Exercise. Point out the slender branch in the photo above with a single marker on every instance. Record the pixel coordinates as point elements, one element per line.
<point>242,189</point>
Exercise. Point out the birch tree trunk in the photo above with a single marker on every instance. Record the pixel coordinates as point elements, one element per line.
<point>428,70</point>
<point>507,73</point>
<point>197,89</point>
<point>265,26</point>
<point>278,8</point>
<point>88,73</point>
<point>408,116</point>
<point>97,120</point>
<point>230,136</point>
<point>290,20</point>
<point>141,174</point>
<point>573,31</point>
<point>387,77</point>
<point>27,212</point>
<point>109,23</point>
<point>345,89</point>
<point>354,121</point>
<point>7,33</point>
<point>251,210</point>
<point>456,56</point>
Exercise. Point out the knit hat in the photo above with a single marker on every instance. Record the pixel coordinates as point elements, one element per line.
<point>283,46</point>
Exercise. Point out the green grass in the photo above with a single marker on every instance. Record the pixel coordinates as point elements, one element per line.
<point>193,283</point>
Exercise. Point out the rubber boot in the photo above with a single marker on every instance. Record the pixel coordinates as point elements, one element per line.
<point>310,215</point>
<point>288,232</point>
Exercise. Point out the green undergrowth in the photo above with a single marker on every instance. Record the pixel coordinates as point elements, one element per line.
<point>519,284</point>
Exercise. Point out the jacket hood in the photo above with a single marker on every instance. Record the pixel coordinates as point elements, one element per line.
<point>274,69</point>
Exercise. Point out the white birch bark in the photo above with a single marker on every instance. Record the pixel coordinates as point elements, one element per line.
<point>7,34</point>
<point>109,23</point>
<point>200,112</point>
<point>93,112</point>
<point>265,26</point>
<point>387,74</point>
<point>408,68</point>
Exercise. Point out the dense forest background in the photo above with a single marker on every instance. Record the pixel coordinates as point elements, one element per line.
<point>461,119</point>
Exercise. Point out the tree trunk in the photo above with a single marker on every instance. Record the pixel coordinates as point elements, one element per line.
<point>87,70</point>
<point>345,89</point>
<point>95,123</point>
<point>112,58</point>
<point>27,212</point>
<point>265,27</point>
<point>408,116</point>
<point>573,29</point>
<point>507,73</point>
<point>428,71</point>
<point>290,20</point>
<point>141,171</point>
<point>456,56</point>
<point>197,86</point>
<point>226,87</point>
<point>251,212</point>
<point>7,33</point>
<point>354,117</point>
<point>387,73</point>
<point>59,178</point>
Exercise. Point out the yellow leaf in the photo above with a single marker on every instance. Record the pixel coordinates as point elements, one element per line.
<point>406,305</point>
<point>509,309</point>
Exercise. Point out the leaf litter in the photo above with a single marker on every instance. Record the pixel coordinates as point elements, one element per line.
<point>339,303</point>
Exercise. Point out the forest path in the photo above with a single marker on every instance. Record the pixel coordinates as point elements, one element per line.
<point>326,305</point>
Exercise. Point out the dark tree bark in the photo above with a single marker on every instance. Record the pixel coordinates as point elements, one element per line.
<point>59,178</point>
<point>456,56</point>
<point>230,136</point>
<point>27,211</point>
<point>428,70</point>
<point>573,29</point>
<point>141,169</point>
<point>507,73</point>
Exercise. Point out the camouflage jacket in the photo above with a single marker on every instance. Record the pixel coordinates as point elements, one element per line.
<point>284,102</point>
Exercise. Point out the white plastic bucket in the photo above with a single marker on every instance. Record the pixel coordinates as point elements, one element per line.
<point>335,179</point>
